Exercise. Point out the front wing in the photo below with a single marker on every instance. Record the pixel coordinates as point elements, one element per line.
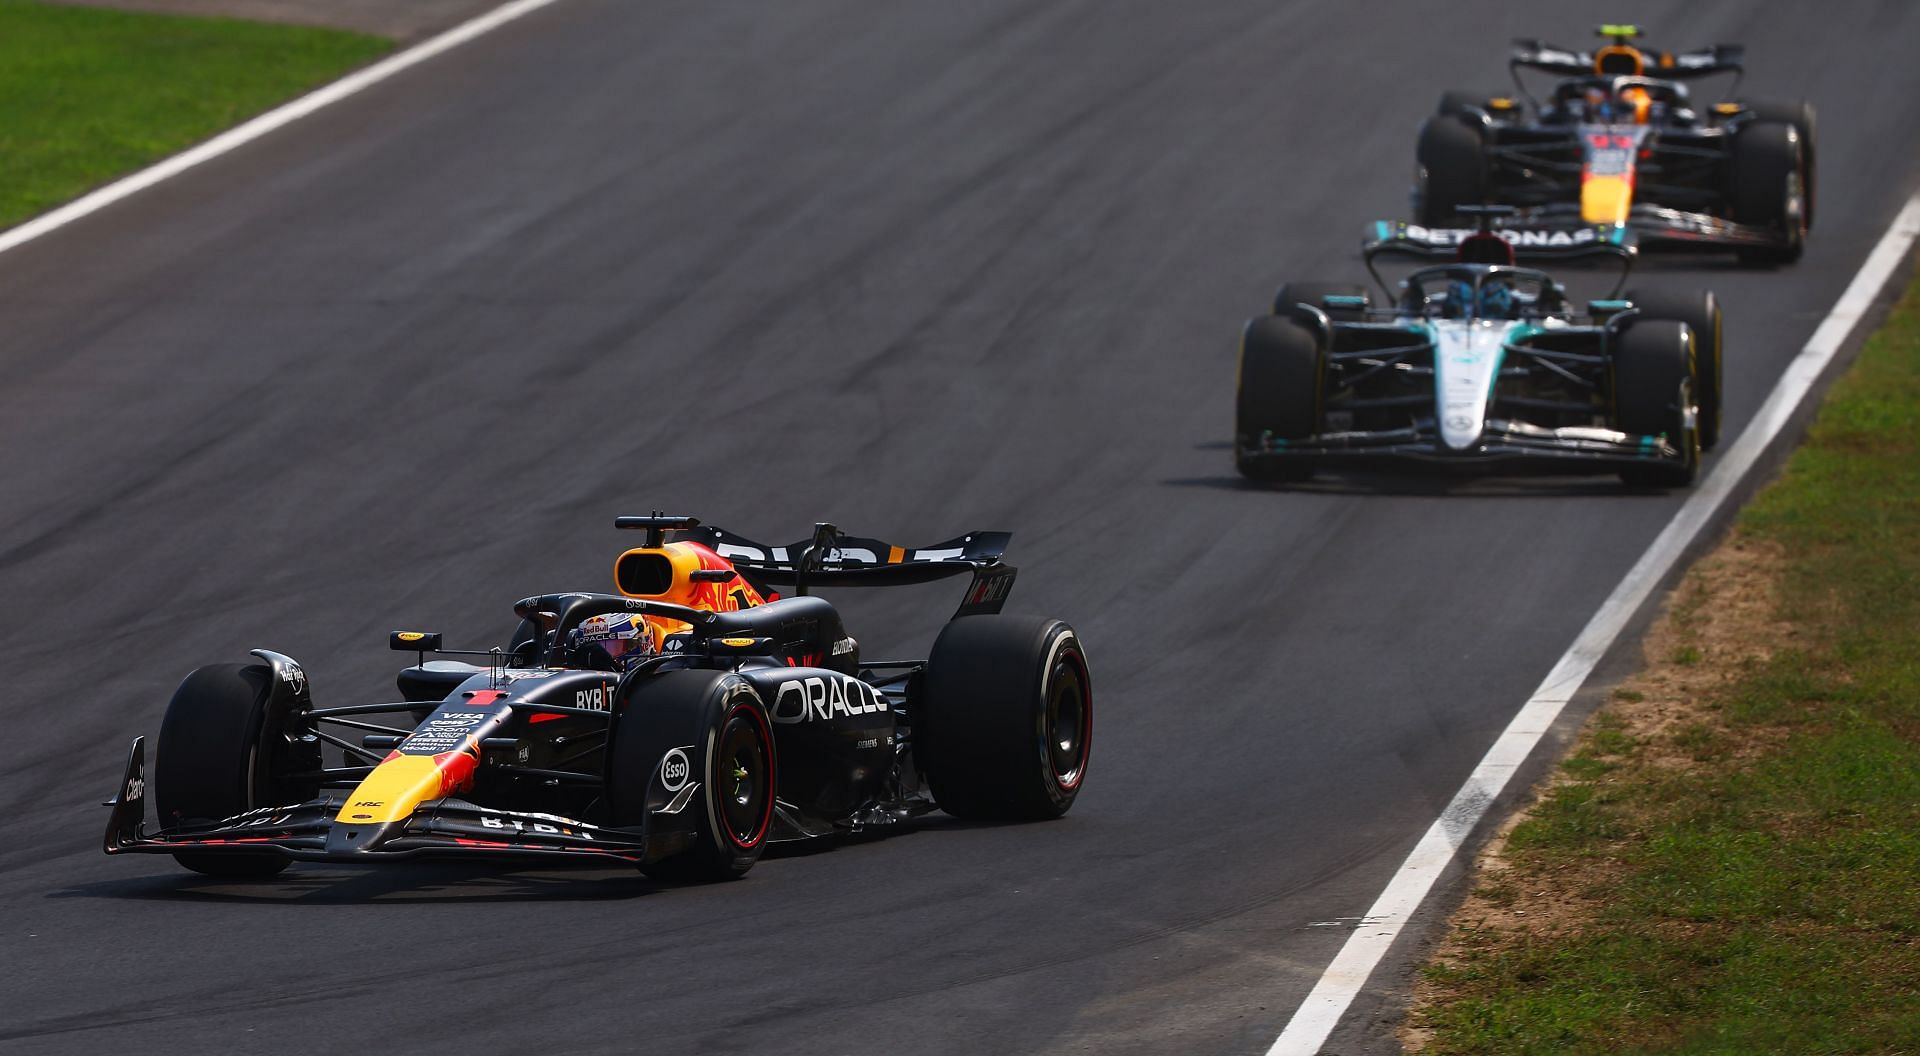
<point>438,828</point>
<point>1508,445</point>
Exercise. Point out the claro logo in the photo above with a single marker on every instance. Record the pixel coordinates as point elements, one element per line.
<point>808,699</point>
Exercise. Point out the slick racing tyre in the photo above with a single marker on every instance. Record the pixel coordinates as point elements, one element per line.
<point>1700,310</point>
<point>708,728</point>
<point>224,750</point>
<point>1278,392</point>
<point>1769,188</point>
<point>1800,115</point>
<point>1453,167</point>
<point>1004,727</point>
<point>1313,293</point>
<point>1653,381</point>
<point>1454,102</point>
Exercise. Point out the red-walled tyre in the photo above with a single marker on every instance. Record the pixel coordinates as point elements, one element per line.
<point>1004,728</point>
<point>704,726</point>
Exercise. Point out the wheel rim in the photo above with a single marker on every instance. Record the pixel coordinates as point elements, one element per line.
<point>1687,435</point>
<point>1069,719</point>
<point>743,778</point>
<point>1796,209</point>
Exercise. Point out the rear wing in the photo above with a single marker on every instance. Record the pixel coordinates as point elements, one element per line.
<point>1714,59</point>
<point>1537,243</point>
<point>1539,55</point>
<point>1582,242</point>
<point>833,559</point>
<point>1702,62</point>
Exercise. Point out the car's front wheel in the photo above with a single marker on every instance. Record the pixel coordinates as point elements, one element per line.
<point>1277,394</point>
<point>1653,384</point>
<point>1801,116</point>
<point>1769,188</point>
<point>224,749</point>
<point>1700,310</point>
<point>709,729</point>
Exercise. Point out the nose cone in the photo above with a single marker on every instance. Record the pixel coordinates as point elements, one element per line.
<point>396,786</point>
<point>1605,199</point>
<point>1467,359</point>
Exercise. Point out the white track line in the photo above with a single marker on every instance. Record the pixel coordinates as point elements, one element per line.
<point>1343,979</point>
<point>240,135</point>
<point>1314,1021</point>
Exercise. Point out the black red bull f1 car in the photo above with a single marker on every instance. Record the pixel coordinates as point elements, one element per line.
<point>1620,140</point>
<point>736,718</point>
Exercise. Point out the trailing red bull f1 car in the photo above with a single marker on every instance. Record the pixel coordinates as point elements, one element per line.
<point>681,725</point>
<point>1619,140</point>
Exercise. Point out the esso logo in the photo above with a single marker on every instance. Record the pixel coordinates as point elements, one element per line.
<point>674,770</point>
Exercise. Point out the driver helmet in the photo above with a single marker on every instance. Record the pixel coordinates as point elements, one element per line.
<point>1497,299</point>
<point>614,642</point>
<point>1599,104</point>
<point>1459,302</point>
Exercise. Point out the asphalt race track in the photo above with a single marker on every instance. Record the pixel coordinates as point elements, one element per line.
<point>912,268</point>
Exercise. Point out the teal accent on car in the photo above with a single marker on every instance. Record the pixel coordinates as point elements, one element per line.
<point>1467,354</point>
<point>1500,357</point>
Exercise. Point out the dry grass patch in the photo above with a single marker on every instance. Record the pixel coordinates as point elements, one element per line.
<point>1728,861</point>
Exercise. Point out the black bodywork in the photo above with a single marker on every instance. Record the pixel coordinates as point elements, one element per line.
<point>1681,158</point>
<point>538,726</point>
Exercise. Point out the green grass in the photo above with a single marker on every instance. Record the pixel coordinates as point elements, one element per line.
<point>87,95</point>
<point>1768,899</point>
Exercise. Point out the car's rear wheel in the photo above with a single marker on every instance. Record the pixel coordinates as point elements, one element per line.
<point>1453,166</point>
<point>224,750</point>
<point>1768,189</point>
<point>709,727</point>
<point>1653,382</point>
<point>1004,724</point>
<point>1700,310</point>
<point>1277,395</point>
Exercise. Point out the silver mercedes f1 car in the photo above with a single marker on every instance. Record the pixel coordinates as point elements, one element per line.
<point>1477,361</point>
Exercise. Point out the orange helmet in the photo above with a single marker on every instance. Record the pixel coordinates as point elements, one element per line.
<point>1640,99</point>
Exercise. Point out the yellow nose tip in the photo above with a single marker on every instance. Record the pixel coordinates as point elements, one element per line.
<point>1605,200</point>
<point>395,787</point>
